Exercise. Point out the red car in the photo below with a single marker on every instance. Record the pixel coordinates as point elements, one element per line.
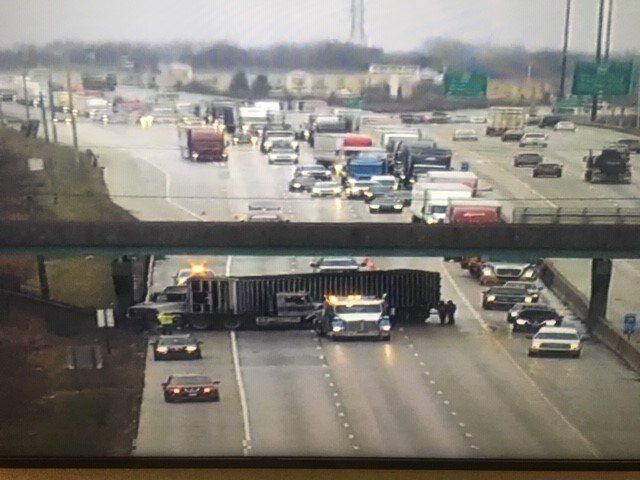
<point>190,387</point>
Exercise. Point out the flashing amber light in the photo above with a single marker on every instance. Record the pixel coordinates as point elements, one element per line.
<point>197,269</point>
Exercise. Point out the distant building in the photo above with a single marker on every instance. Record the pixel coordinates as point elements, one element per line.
<point>400,79</point>
<point>172,73</point>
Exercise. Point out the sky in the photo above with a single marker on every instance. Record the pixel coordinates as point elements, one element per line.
<point>395,25</point>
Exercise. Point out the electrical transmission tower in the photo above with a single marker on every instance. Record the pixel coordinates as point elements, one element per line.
<point>357,35</point>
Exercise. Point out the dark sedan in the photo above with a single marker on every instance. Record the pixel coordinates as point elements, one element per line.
<point>527,159</point>
<point>196,388</point>
<point>512,135</point>
<point>303,183</point>
<point>376,191</point>
<point>176,347</point>
<point>533,319</point>
<point>386,203</point>
<point>504,297</point>
<point>411,118</point>
<point>547,170</point>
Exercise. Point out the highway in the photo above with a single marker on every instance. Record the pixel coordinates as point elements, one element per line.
<point>442,392</point>
<point>463,391</point>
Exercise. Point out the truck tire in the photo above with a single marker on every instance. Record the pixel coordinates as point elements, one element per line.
<point>232,323</point>
<point>201,324</point>
<point>587,176</point>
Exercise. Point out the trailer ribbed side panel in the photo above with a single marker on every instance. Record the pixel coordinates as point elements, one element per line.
<point>405,289</point>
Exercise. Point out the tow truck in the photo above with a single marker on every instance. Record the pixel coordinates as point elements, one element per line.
<point>354,316</point>
<point>609,166</point>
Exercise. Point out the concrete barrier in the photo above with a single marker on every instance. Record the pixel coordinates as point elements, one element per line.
<point>569,294</point>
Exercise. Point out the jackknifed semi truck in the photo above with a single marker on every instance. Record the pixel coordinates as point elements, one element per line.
<point>300,300</point>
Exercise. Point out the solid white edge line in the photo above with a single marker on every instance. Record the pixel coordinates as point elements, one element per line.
<point>152,262</point>
<point>243,397</point>
<point>477,316</point>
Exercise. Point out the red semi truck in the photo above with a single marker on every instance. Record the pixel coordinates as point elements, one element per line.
<point>206,144</point>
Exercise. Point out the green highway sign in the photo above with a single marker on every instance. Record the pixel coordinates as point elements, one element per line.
<point>458,84</point>
<point>612,78</point>
<point>354,102</point>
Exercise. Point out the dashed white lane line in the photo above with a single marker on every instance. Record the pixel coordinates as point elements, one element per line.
<point>243,397</point>
<point>484,325</point>
<point>167,193</point>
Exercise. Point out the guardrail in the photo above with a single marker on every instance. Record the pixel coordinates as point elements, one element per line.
<point>563,215</point>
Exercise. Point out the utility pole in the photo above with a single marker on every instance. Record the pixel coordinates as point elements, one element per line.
<point>594,103</point>
<point>607,42</point>
<point>638,102</point>
<point>52,110</point>
<point>26,95</point>
<point>44,118</point>
<point>73,119</point>
<point>567,21</point>
<point>1,113</point>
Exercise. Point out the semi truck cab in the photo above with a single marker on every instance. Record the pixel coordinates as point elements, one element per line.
<point>354,316</point>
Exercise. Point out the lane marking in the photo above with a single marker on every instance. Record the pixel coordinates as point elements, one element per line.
<point>167,188</point>
<point>477,316</point>
<point>241,390</point>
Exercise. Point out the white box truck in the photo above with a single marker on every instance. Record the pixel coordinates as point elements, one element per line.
<point>421,191</point>
<point>452,176</point>
<point>326,147</point>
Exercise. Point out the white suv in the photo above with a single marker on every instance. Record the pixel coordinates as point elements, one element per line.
<point>556,340</point>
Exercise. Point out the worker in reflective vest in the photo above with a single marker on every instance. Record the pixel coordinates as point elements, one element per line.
<point>166,321</point>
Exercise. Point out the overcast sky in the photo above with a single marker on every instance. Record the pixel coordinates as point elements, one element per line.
<point>391,24</point>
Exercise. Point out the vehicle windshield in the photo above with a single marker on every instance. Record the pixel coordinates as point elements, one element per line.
<point>509,291</point>
<point>438,209</point>
<point>345,309</point>
<point>191,380</point>
<point>557,336</point>
<point>338,262</point>
<point>175,341</point>
<point>534,135</point>
<point>533,156</point>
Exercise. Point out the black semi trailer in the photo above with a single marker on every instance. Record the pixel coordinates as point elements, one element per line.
<point>293,301</point>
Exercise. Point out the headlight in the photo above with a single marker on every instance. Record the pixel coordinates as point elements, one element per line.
<point>294,144</point>
<point>528,299</point>
<point>295,157</point>
<point>374,207</point>
<point>162,349</point>
<point>574,346</point>
<point>398,207</point>
<point>176,390</point>
<point>206,390</point>
<point>403,177</point>
<point>487,271</point>
<point>315,190</point>
<point>267,144</point>
<point>385,327</point>
<point>192,348</point>
<point>535,347</point>
<point>337,325</point>
<point>513,314</point>
<point>297,185</point>
<point>337,190</point>
<point>491,298</point>
<point>338,168</point>
<point>528,274</point>
<point>521,322</point>
<point>368,194</point>
<point>431,220</point>
<point>195,155</point>
<point>412,180</point>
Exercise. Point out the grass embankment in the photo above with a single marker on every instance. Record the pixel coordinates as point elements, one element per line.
<point>48,410</point>
<point>79,186</point>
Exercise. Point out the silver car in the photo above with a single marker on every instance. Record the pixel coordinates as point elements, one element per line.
<point>326,189</point>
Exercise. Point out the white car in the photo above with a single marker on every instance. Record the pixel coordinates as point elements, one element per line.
<point>326,189</point>
<point>386,181</point>
<point>565,126</point>
<point>465,134</point>
<point>533,139</point>
<point>556,340</point>
<point>477,119</point>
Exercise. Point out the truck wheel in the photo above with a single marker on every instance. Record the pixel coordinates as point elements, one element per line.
<point>559,174</point>
<point>231,323</point>
<point>535,175</point>
<point>587,176</point>
<point>201,324</point>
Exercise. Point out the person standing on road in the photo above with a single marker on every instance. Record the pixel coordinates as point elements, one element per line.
<point>451,311</point>
<point>165,320</point>
<point>442,311</point>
